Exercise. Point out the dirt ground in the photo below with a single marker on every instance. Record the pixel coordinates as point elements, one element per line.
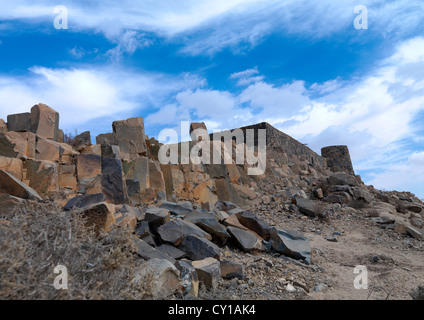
<point>394,263</point>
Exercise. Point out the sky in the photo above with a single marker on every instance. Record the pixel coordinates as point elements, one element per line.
<point>348,72</point>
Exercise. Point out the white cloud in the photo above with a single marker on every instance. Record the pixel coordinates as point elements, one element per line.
<point>208,26</point>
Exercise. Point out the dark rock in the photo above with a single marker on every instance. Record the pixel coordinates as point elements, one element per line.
<point>157,216</point>
<point>208,223</point>
<point>208,271</point>
<point>291,243</point>
<point>252,222</point>
<point>307,207</point>
<point>231,269</point>
<point>226,206</point>
<point>111,180</point>
<point>338,197</point>
<point>175,230</point>
<point>82,141</point>
<point>19,122</point>
<point>198,248</point>
<point>171,251</point>
<point>342,179</point>
<point>9,184</point>
<point>146,251</point>
<point>84,200</point>
<point>177,208</point>
<point>245,240</point>
<point>142,229</point>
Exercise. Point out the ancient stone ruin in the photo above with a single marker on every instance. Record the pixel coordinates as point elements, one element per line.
<point>182,215</point>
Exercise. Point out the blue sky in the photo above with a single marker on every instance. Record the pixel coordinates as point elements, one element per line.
<point>300,65</point>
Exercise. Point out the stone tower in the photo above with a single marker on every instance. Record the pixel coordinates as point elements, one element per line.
<point>338,159</point>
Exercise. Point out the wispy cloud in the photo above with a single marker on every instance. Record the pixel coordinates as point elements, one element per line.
<point>208,26</point>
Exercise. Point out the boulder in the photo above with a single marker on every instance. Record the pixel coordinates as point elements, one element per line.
<point>105,139</point>
<point>142,230</point>
<point>231,269</point>
<point>415,232</point>
<point>291,243</point>
<point>338,197</point>
<point>42,176</point>
<point>67,176</point>
<point>12,166</point>
<point>44,121</point>
<point>307,207</point>
<point>208,223</point>
<point>146,251</point>
<point>189,277</point>
<point>174,231</point>
<point>14,145</point>
<point>130,136</point>
<point>171,251</point>
<point>111,180</point>
<point>19,122</point>
<point>99,216</point>
<point>342,179</point>
<point>157,216</point>
<point>244,239</point>
<point>179,208</point>
<point>14,187</point>
<point>85,200</point>
<point>89,172</point>
<point>252,222</point>
<point>159,275</point>
<point>82,141</point>
<point>208,271</point>
<point>126,220</point>
<point>198,248</point>
<point>3,126</point>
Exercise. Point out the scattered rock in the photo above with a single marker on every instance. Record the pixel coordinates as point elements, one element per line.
<point>198,248</point>
<point>231,269</point>
<point>209,272</point>
<point>291,243</point>
<point>161,276</point>
<point>12,186</point>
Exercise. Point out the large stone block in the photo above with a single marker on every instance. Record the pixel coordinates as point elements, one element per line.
<point>130,136</point>
<point>13,145</point>
<point>100,216</point>
<point>3,126</point>
<point>112,180</point>
<point>14,187</point>
<point>42,176</point>
<point>44,121</point>
<point>67,176</point>
<point>89,171</point>
<point>81,141</point>
<point>12,165</point>
<point>19,122</point>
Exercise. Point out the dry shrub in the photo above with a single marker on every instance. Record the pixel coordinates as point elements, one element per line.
<point>37,238</point>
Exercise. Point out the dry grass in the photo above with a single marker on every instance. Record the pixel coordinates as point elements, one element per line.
<point>37,238</point>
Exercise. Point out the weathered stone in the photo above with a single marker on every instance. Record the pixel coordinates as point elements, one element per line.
<point>19,122</point>
<point>137,170</point>
<point>342,179</point>
<point>338,159</point>
<point>177,208</point>
<point>95,149</point>
<point>44,121</point>
<point>361,194</point>
<point>417,222</point>
<point>128,209</point>
<point>415,208</point>
<point>67,176</point>
<point>111,180</point>
<point>105,139</point>
<point>231,269</point>
<point>225,206</point>
<point>129,135</point>
<point>244,239</point>
<point>12,165</point>
<point>142,229</point>
<point>340,188</point>
<point>12,186</point>
<point>82,141</point>
<point>189,278</point>
<point>60,136</point>
<point>252,222</point>
<point>338,197</point>
<point>319,193</point>
<point>160,275</point>
<point>175,230</point>
<point>415,233</point>
<point>208,271</point>
<point>110,151</point>
<point>157,216</point>
<point>47,150</point>
<point>306,206</point>
<point>291,243</point>
<point>42,176</point>
<point>208,223</point>
<point>126,219</point>
<point>171,251</point>
<point>3,126</point>
<point>100,216</point>
<point>13,145</point>
<point>198,248</point>
<point>82,201</point>
<point>146,251</point>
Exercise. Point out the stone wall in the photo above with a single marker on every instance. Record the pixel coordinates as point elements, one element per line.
<point>338,159</point>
